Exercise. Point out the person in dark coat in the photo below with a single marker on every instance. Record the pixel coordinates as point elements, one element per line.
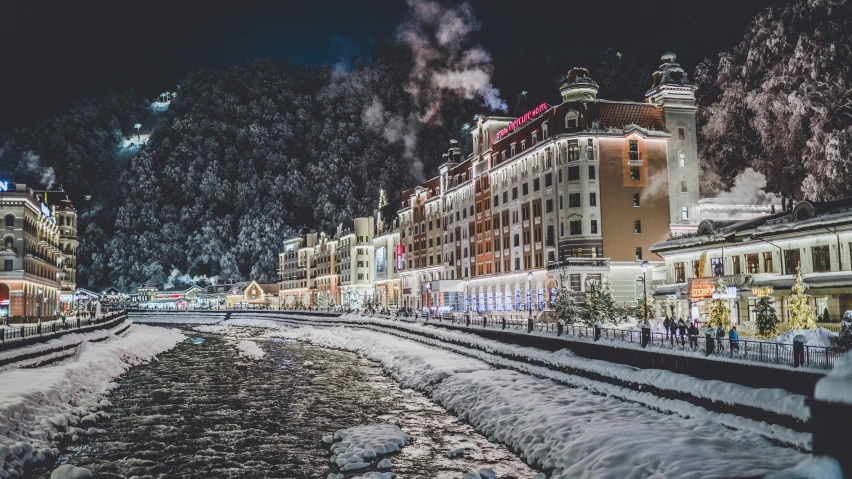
<point>673,329</point>
<point>693,336</point>
<point>666,323</point>
<point>720,337</point>
<point>681,326</point>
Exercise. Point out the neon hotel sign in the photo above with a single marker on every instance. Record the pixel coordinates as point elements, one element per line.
<point>522,119</point>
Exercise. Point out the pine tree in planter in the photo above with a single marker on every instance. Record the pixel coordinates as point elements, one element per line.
<point>845,336</point>
<point>767,320</point>
<point>566,306</point>
<point>719,313</point>
<point>802,314</point>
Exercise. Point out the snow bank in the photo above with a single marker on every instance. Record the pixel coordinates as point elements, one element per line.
<point>571,430</point>
<point>815,337</point>
<point>175,317</point>
<point>813,467</point>
<point>39,407</point>
<point>354,448</point>
<point>68,471</point>
<point>250,349</point>
<point>837,385</point>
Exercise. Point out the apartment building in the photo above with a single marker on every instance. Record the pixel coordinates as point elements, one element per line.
<point>31,255</point>
<point>574,193</point>
<point>65,216</point>
<point>356,253</point>
<point>388,256</point>
<point>294,271</point>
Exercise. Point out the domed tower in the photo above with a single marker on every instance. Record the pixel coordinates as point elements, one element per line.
<point>579,86</point>
<point>672,91</point>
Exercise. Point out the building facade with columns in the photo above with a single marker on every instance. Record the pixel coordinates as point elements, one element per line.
<point>31,255</point>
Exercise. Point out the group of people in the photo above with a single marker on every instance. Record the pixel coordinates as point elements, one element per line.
<point>677,330</point>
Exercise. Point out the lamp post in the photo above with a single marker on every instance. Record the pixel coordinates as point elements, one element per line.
<point>467,298</point>
<point>645,289</point>
<point>395,295</point>
<point>138,126</point>
<point>428,300</point>
<point>529,292</point>
<point>38,305</point>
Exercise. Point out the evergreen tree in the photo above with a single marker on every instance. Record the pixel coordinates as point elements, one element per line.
<point>566,306</point>
<point>845,336</point>
<point>719,313</point>
<point>767,320</point>
<point>802,314</point>
<point>600,304</point>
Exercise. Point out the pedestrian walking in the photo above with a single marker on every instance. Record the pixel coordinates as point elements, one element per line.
<point>693,335</point>
<point>720,337</point>
<point>673,330</point>
<point>681,326</point>
<point>735,339</point>
<point>666,323</point>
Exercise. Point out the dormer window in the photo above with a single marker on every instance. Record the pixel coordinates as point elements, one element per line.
<point>523,145</point>
<point>572,119</point>
<point>513,148</point>
<point>534,137</point>
<point>544,131</point>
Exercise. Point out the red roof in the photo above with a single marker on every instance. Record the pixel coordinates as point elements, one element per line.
<point>620,114</point>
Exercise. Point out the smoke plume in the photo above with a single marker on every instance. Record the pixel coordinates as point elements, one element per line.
<point>178,280</point>
<point>32,164</point>
<point>446,68</point>
<point>396,129</point>
<point>749,189</point>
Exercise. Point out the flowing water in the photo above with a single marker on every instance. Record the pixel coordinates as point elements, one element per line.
<point>202,411</point>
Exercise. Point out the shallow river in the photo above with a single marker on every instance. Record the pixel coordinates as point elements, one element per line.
<point>202,411</point>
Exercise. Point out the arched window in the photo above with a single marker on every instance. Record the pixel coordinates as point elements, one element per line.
<point>10,220</point>
<point>9,243</point>
<point>572,119</point>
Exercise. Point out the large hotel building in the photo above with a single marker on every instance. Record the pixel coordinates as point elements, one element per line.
<point>571,193</point>
<point>574,192</point>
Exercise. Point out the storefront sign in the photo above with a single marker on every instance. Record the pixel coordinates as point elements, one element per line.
<point>400,257</point>
<point>700,288</point>
<point>4,185</point>
<point>522,119</point>
<point>762,291</point>
<point>671,296</point>
<point>730,293</point>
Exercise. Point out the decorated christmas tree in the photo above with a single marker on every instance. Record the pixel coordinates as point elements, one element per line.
<point>566,306</point>
<point>767,320</point>
<point>845,336</point>
<point>719,313</point>
<point>802,314</point>
<point>600,304</point>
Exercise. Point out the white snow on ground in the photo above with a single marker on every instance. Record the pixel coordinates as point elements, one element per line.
<point>65,340</point>
<point>775,400</point>
<point>571,430</point>
<point>40,406</point>
<point>837,386</point>
<point>177,318</point>
<point>68,471</point>
<point>815,337</point>
<point>813,467</point>
<point>354,448</point>
<point>250,350</point>
<point>215,329</point>
<point>160,106</point>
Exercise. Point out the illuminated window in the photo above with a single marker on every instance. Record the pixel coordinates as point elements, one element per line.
<point>681,156</point>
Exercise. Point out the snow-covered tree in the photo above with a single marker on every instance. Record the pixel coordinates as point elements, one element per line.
<point>845,336</point>
<point>780,101</point>
<point>566,308</point>
<point>600,304</point>
<point>802,314</point>
<point>719,313</point>
<point>767,320</point>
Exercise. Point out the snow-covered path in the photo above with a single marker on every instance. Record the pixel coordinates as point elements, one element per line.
<point>570,430</point>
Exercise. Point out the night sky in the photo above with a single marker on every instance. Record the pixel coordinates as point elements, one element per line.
<point>55,53</point>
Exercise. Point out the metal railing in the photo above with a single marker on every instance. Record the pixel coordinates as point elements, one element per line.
<point>819,357</point>
<point>55,328</point>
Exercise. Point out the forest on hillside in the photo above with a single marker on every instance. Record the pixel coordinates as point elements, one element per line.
<point>246,156</point>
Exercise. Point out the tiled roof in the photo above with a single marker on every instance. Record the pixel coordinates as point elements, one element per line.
<point>619,114</point>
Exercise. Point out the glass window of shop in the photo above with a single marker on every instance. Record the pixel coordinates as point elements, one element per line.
<point>792,260</point>
<point>821,259</point>
<point>752,263</point>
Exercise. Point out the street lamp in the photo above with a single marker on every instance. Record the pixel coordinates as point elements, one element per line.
<point>38,305</point>
<point>428,302</point>
<point>529,292</point>
<point>467,299</point>
<point>645,289</point>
